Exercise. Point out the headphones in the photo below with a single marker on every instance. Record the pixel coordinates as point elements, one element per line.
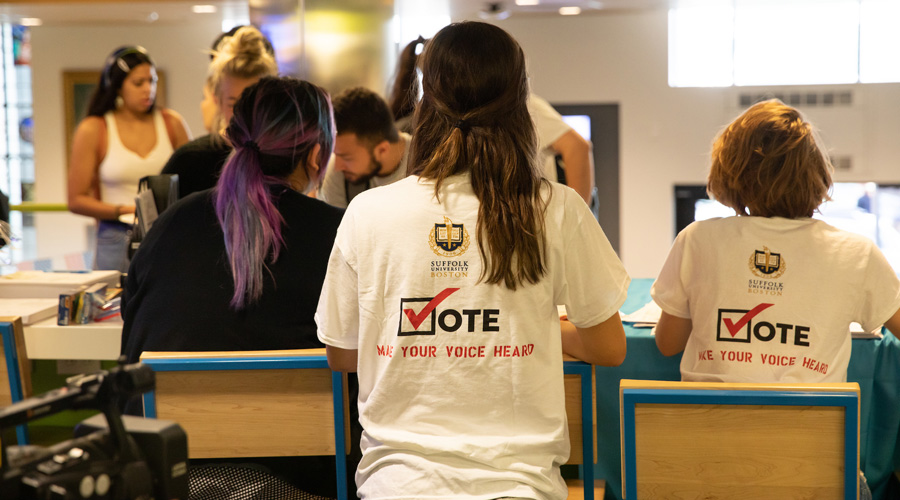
<point>116,58</point>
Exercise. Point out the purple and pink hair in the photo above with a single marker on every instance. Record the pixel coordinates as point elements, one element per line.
<point>276,125</point>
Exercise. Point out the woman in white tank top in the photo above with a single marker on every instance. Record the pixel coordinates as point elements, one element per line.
<point>122,139</point>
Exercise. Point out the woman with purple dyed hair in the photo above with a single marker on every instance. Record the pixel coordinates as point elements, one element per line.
<point>240,266</point>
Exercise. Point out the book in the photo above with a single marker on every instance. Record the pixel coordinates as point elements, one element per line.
<point>64,314</point>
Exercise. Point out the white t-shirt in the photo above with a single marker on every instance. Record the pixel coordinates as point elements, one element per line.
<point>549,126</point>
<point>334,190</point>
<point>461,385</point>
<point>772,299</point>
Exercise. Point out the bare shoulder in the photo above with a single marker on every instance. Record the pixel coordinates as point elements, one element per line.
<point>92,124</point>
<point>92,128</point>
<point>179,133</point>
<point>172,116</point>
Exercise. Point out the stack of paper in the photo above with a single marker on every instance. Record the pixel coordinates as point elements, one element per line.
<point>50,284</point>
<point>857,332</point>
<point>645,317</point>
<point>30,310</point>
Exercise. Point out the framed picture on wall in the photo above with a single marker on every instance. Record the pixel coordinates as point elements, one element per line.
<point>78,87</point>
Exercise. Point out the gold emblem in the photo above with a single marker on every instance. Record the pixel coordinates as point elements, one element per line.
<point>767,264</point>
<point>448,239</point>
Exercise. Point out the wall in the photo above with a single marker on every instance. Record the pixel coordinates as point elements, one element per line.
<point>177,49</point>
<point>600,58</point>
<point>666,132</point>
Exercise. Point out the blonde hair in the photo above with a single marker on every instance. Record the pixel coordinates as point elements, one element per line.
<point>769,162</point>
<point>242,55</point>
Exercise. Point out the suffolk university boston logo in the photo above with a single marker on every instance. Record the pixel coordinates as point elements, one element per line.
<point>448,239</point>
<point>769,266</point>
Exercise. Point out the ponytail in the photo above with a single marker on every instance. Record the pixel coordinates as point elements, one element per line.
<point>277,124</point>
<point>474,118</point>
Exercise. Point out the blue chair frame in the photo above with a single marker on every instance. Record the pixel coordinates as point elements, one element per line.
<point>848,400</point>
<point>267,363</point>
<point>585,372</point>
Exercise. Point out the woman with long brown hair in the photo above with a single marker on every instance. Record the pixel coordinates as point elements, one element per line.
<point>442,292</point>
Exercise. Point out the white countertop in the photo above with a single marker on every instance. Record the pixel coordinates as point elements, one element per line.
<point>101,340</point>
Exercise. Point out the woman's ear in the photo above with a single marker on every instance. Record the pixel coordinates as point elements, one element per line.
<point>312,161</point>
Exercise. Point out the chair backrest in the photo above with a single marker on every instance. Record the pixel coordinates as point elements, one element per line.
<point>253,403</point>
<point>718,440</point>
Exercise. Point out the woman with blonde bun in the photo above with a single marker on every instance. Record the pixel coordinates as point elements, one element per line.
<point>239,61</point>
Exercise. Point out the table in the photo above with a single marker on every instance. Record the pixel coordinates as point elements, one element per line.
<point>94,341</point>
<point>874,365</point>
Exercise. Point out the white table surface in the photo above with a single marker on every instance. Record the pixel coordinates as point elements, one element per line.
<point>101,340</point>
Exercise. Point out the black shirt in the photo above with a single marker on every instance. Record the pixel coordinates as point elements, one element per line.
<point>198,164</point>
<point>179,284</point>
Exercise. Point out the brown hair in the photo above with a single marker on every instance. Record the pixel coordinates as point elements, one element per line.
<point>769,163</point>
<point>473,118</point>
<point>405,90</point>
<point>364,113</point>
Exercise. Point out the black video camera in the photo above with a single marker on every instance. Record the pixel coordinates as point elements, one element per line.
<point>111,458</point>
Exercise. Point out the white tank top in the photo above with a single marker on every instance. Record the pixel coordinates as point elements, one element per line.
<point>122,168</point>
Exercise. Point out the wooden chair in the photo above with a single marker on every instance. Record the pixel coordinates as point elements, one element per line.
<point>253,404</point>
<point>15,368</point>
<point>716,440</point>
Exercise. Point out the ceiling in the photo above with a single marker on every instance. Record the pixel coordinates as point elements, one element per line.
<point>112,11</point>
<point>122,12</point>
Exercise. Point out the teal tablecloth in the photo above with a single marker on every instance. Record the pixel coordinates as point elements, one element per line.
<point>874,365</point>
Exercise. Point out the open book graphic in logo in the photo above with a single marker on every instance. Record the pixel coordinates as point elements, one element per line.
<point>448,239</point>
<point>767,264</point>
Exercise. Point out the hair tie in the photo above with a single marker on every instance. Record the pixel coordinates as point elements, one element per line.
<point>462,125</point>
<point>251,144</point>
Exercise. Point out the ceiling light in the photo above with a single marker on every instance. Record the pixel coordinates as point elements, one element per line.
<point>204,9</point>
<point>494,11</point>
<point>30,21</point>
<point>528,2</point>
<point>569,11</point>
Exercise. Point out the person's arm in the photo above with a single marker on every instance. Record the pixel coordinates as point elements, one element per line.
<point>341,360</point>
<point>672,333</point>
<point>602,344</point>
<point>893,324</point>
<point>179,133</point>
<point>84,165</point>
<point>579,163</point>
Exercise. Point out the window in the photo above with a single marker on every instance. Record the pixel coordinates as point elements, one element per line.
<point>783,42</point>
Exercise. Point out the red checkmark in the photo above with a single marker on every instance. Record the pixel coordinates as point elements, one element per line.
<point>733,328</point>
<point>417,319</point>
